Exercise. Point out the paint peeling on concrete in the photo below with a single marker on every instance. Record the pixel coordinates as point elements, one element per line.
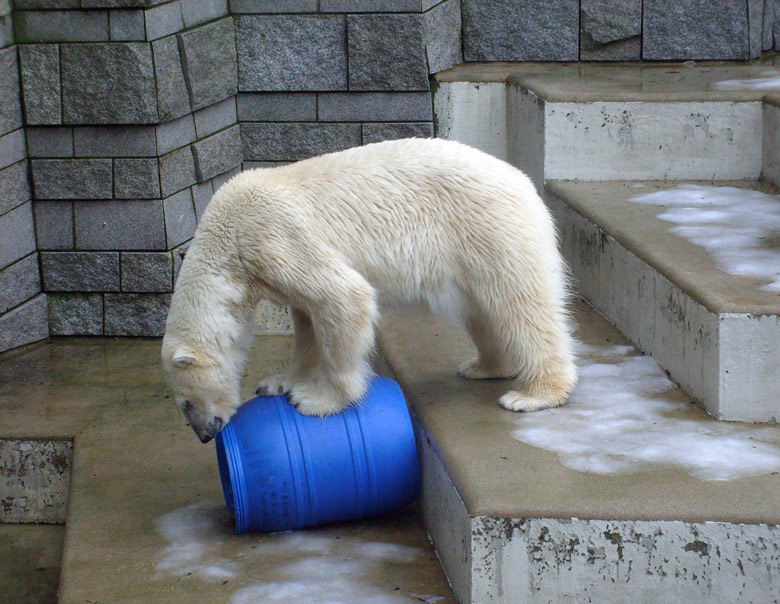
<point>548,560</point>
<point>34,480</point>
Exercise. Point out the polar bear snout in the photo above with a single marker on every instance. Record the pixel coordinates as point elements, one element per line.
<point>205,428</point>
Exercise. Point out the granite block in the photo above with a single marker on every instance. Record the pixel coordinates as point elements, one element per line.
<point>177,171</point>
<point>197,12</point>
<point>610,30</point>
<point>24,324</point>
<point>695,30</point>
<point>18,240</point>
<point>771,15</point>
<point>61,26</point>
<point>273,6</point>
<point>218,153</point>
<point>136,314</point>
<point>173,99</point>
<point>520,30</point>
<point>220,180</point>
<point>177,255</point>
<point>291,53</point>
<point>120,3</point>
<point>163,20</point>
<point>370,6</point>
<point>80,271</point>
<point>119,225</point>
<point>40,70</point>
<point>180,221</point>
<point>54,224</point>
<point>201,195</point>
<point>755,27</point>
<point>126,25</point>
<point>14,186</point>
<point>277,107</point>
<point>108,83</point>
<point>216,117</point>
<point>374,133</point>
<point>115,141</point>
<point>19,282</point>
<point>78,314</point>
<point>375,107</point>
<point>386,52</point>
<point>147,272</point>
<point>441,32</point>
<point>13,148</point>
<point>176,134</point>
<point>50,142</point>
<point>6,30</point>
<point>72,178</point>
<point>209,61</point>
<point>136,179</point>
<point>294,141</point>
<point>45,4</point>
<point>10,92</point>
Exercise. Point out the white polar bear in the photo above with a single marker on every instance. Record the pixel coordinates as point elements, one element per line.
<point>334,237</point>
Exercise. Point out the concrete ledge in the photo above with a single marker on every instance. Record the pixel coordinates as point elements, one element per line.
<point>512,523</point>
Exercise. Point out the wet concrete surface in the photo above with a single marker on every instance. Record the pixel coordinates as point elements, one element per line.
<point>146,520</point>
<point>30,563</point>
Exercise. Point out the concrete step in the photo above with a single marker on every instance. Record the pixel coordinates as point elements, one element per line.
<point>717,334</point>
<point>617,121</point>
<point>690,272</point>
<point>628,493</point>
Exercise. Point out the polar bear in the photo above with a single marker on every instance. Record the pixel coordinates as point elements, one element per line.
<point>338,236</point>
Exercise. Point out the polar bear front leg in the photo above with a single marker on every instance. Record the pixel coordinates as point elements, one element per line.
<point>304,358</point>
<point>343,333</point>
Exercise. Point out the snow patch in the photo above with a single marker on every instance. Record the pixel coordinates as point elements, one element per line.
<point>620,419</point>
<point>768,80</point>
<point>194,537</point>
<point>740,228</point>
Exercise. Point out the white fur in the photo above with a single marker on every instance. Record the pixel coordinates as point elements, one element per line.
<point>410,221</point>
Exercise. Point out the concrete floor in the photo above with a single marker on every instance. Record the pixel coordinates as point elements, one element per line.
<point>146,521</point>
<point>30,569</point>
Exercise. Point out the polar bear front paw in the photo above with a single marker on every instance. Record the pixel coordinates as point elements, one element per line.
<point>318,398</point>
<point>274,384</point>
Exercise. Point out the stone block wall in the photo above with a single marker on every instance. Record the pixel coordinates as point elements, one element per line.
<point>619,30</point>
<point>131,123</point>
<point>22,305</point>
<point>119,118</point>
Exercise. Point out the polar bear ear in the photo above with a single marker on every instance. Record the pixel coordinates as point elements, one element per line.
<point>183,358</point>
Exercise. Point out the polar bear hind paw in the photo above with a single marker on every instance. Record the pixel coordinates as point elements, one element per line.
<point>518,401</point>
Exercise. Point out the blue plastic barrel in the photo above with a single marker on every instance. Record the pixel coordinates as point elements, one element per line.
<point>281,470</point>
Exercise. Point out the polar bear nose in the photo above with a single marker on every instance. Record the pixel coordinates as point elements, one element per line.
<point>214,426</point>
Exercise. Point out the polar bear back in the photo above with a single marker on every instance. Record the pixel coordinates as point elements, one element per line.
<point>412,216</point>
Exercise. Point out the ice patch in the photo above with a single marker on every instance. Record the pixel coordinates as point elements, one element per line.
<point>335,576</point>
<point>302,567</point>
<point>768,80</point>
<point>740,228</point>
<point>194,537</point>
<point>618,421</point>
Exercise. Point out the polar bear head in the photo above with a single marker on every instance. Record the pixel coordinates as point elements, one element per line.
<point>205,388</point>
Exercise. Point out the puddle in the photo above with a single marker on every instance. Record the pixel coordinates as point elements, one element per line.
<point>622,418</point>
<point>339,564</point>
<point>738,227</point>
